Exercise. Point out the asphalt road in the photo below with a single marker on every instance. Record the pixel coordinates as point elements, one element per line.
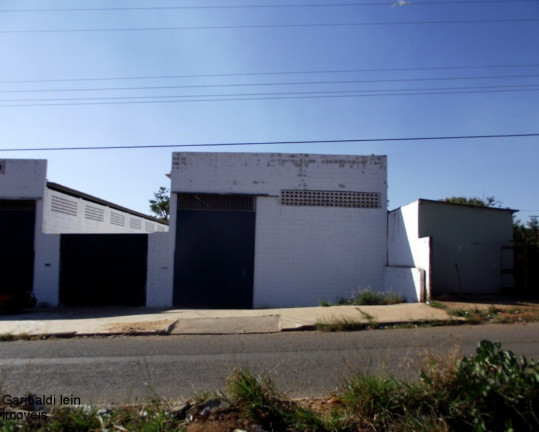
<point>132,369</point>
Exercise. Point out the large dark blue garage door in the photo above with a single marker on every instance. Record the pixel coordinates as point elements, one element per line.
<point>17,226</point>
<point>103,269</point>
<point>214,257</point>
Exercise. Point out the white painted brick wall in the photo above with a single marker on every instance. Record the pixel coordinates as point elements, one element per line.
<point>159,276</point>
<point>22,178</point>
<point>303,254</point>
<point>55,222</point>
<point>407,249</point>
<point>268,173</point>
<point>47,269</point>
<point>409,282</point>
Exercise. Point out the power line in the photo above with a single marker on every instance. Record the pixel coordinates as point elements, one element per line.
<point>228,98</point>
<point>267,6</point>
<point>341,141</point>
<point>374,92</point>
<point>189,86</point>
<point>272,26</point>
<point>337,71</point>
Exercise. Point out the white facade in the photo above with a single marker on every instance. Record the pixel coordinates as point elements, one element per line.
<point>22,178</point>
<point>330,245</point>
<point>459,247</point>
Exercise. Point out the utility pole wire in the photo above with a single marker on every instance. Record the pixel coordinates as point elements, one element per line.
<point>304,72</point>
<point>273,84</point>
<point>270,26</point>
<point>276,6</point>
<point>336,141</point>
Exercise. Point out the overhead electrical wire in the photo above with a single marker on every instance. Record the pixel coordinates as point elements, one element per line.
<point>278,95</point>
<point>296,83</point>
<point>305,72</point>
<point>275,6</point>
<point>270,26</point>
<point>226,98</point>
<point>334,141</point>
<point>524,86</point>
<point>215,75</point>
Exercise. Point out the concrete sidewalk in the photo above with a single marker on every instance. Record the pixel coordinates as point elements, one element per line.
<point>114,321</point>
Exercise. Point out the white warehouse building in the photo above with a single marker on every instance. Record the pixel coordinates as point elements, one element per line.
<point>275,230</point>
<point>246,230</point>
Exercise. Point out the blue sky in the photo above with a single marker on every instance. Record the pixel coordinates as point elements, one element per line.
<point>367,69</point>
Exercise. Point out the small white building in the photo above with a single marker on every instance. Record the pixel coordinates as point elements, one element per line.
<point>437,248</point>
<point>275,230</point>
<point>35,213</point>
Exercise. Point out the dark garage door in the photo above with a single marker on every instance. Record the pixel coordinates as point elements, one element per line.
<point>214,257</point>
<point>17,225</point>
<point>103,269</point>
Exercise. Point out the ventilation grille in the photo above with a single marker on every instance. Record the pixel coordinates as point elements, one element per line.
<point>94,213</point>
<point>148,227</point>
<point>63,205</point>
<point>117,219</point>
<point>330,199</point>
<point>135,223</point>
<point>160,228</point>
<point>188,201</point>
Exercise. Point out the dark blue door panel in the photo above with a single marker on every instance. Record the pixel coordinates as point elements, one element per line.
<point>17,227</point>
<point>214,259</point>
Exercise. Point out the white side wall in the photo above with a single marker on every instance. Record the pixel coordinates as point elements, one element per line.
<point>47,269</point>
<point>409,282</point>
<point>159,276</point>
<point>408,256</point>
<point>65,214</point>
<point>303,254</point>
<point>402,230</point>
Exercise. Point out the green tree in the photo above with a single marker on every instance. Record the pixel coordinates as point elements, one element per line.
<point>160,205</point>
<point>527,234</point>
<point>475,201</point>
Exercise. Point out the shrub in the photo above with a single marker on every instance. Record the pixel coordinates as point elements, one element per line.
<point>498,390</point>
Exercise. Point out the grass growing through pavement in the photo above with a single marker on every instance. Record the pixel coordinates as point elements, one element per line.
<point>347,324</point>
<point>492,390</point>
<point>364,297</point>
<point>369,297</point>
<point>491,314</point>
<point>341,324</point>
